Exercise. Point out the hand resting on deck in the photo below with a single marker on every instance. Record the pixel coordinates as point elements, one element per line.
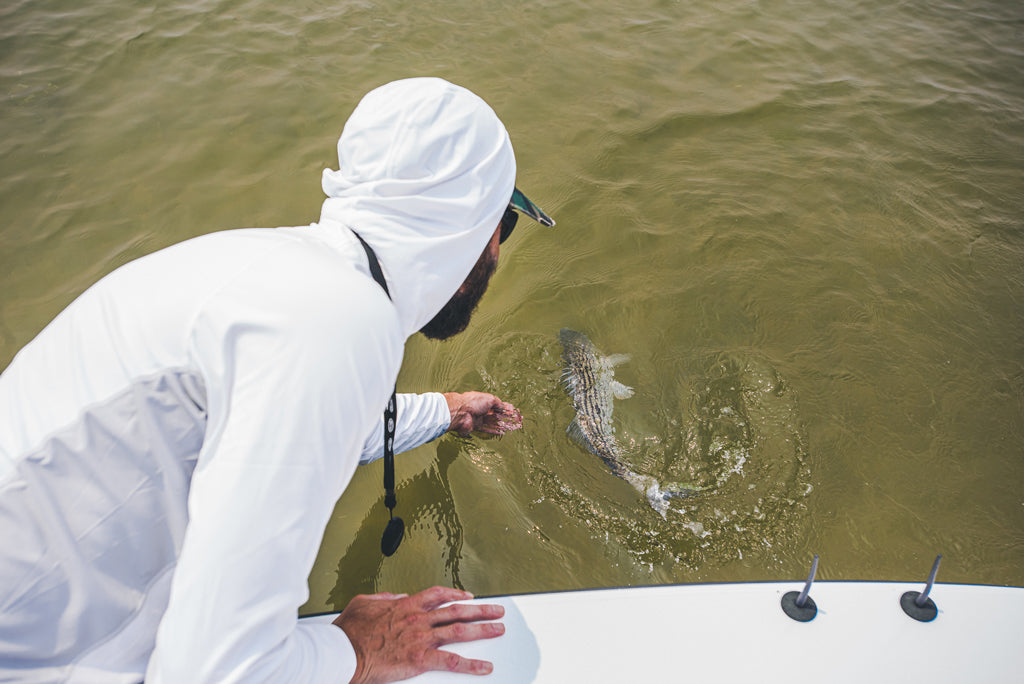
<point>396,636</point>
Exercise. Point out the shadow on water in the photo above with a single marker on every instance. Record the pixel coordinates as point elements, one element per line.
<point>359,569</point>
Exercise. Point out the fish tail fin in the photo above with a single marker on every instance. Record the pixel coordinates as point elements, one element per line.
<point>658,497</point>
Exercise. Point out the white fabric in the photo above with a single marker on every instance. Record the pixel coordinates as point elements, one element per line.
<point>173,443</point>
<point>426,198</point>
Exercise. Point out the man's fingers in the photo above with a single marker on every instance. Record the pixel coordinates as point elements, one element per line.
<point>452,662</point>
<point>505,407</point>
<point>429,599</point>
<point>396,636</point>
<point>466,612</point>
<point>499,423</point>
<point>490,431</point>
<point>458,632</point>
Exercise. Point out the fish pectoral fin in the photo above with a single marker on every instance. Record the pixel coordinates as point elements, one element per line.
<point>576,433</point>
<point>620,391</point>
<point>613,360</point>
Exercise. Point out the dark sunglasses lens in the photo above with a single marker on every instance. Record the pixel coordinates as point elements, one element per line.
<point>508,222</point>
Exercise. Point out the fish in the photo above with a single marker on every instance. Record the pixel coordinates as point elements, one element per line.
<point>589,380</point>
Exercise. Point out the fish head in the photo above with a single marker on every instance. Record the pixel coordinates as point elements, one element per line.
<point>573,339</point>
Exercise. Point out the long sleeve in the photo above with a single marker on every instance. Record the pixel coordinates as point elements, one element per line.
<point>421,419</point>
<point>298,374</point>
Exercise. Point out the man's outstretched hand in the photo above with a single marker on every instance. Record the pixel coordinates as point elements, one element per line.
<point>481,412</point>
<point>397,636</point>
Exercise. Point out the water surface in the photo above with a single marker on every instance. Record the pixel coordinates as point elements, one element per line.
<point>801,219</point>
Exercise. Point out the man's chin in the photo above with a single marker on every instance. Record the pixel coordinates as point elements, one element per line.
<point>444,327</point>
<point>454,316</point>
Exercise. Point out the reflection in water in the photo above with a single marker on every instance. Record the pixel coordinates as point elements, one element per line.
<point>359,569</point>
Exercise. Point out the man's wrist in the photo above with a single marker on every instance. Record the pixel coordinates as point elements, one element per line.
<point>454,402</point>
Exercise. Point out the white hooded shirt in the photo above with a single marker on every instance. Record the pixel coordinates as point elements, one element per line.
<point>173,443</point>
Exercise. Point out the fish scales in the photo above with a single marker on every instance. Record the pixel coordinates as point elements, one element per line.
<point>589,380</point>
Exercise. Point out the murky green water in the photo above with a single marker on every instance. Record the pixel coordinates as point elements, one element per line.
<point>803,220</point>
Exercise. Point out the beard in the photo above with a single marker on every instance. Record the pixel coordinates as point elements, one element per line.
<point>455,315</point>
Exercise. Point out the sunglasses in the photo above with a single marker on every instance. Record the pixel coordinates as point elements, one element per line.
<point>520,203</point>
<point>508,222</point>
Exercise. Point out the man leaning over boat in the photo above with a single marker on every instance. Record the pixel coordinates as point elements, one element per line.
<point>173,443</point>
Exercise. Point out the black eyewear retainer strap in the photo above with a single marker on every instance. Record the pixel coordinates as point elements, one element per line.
<point>395,528</point>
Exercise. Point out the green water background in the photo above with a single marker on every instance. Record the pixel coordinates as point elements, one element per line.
<point>801,219</point>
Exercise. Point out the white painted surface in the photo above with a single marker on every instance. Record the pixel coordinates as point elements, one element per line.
<point>739,633</point>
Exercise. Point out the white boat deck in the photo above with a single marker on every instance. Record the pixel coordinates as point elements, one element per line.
<point>739,633</point>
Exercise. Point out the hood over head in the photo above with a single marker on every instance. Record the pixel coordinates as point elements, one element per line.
<point>425,172</point>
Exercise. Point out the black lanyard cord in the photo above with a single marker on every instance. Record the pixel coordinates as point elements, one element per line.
<point>395,528</point>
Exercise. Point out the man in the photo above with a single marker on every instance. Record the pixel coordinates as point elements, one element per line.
<point>173,443</point>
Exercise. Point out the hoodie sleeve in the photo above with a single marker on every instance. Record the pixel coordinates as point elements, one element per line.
<point>421,418</point>
<point>298,365</point>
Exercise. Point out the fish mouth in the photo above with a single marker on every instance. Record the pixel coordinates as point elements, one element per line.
<point>568,337</point>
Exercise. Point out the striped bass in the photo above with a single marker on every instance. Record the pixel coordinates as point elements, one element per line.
<point>590,382</point>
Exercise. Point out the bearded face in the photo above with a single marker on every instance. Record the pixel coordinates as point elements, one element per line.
<point>455,315</point>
